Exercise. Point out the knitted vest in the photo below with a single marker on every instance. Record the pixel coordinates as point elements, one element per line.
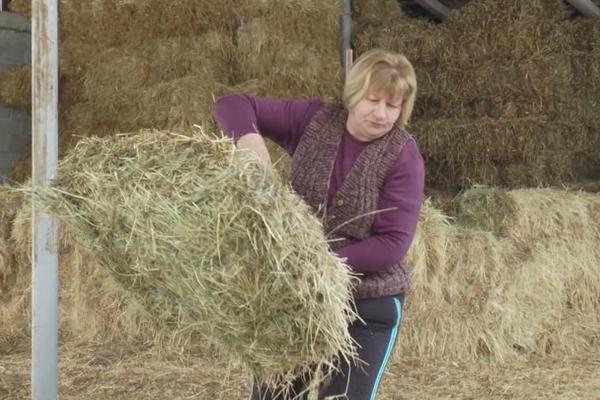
<point>350,216</point>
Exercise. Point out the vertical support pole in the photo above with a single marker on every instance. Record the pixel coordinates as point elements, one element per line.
<point>346,27</point>
<point>437,9</point>
<point>44,296</point>
<point>587,8</point>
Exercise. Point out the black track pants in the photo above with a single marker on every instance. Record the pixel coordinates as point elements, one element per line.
<point>376,338</point>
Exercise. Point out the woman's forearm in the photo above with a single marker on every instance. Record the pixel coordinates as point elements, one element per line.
<point>255,143</point>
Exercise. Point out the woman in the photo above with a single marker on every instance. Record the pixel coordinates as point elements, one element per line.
<point>347,162</point>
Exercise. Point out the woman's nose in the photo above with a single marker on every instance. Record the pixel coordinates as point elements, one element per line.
<point>379,110</point>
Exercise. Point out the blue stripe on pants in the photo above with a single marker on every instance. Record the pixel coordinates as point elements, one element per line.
<point>390,348</point>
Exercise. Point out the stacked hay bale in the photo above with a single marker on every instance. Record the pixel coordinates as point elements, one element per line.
<point>20,6</point>
<point>291,47</point>
<point>15,87</point>
<point>218,249</point>
<point>517,273</point>
<point>497,105</point>
<point>150,64</point>
<point>585,58</point>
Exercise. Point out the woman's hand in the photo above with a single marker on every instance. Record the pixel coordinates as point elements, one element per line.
<point>254,142</point>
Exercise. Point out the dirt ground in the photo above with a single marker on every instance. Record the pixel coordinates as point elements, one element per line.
<point>94,372</point>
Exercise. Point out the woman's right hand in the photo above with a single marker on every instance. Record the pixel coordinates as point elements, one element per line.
<point>255,143</point>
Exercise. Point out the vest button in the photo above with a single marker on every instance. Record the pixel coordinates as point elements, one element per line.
<point>339,202</point>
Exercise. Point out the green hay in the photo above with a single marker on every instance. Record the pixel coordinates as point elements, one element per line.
<point>215,242</point>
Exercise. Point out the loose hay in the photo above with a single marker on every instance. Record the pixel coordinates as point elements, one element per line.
<point>218,245</point>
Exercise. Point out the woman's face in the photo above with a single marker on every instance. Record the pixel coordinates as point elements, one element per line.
<point>373,116</point>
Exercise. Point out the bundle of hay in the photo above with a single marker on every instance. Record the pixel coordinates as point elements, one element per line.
<point>216,244</point>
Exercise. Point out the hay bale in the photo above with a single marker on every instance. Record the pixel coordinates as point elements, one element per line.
<point>20,6</point>
<point>150,19</point>
<point>520,88</point>
<point>287,66</point>
<point>313,22</point>
<point>530,216</point>
<point>556,233</point>
<point>117,72</point>
<point>586,83</point>
<point>220,246</point>
<point>383,24</point>
<point>15,87</point>
<point>518,273</point>
<point>454,311</point>
<point>507,152</point>
<point>506,30</point>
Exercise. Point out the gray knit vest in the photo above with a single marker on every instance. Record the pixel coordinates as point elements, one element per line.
<point>350,216</point>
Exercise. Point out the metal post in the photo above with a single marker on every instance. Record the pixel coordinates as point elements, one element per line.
<point>346,25</point>
<point>44,298</point>
<point>587,8</point>
<point>435,8</point>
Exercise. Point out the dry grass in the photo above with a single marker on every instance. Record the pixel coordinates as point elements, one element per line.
<point>223,253</point>
<point>513,273</point>
<point>517,273</point>
<point>98,372</point>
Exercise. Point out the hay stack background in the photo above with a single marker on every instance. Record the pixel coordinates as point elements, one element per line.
<point>504,89</point>
<point>517,273</point>
<point>15,87</point>
<point>497,73</point>
<point>505,86</point>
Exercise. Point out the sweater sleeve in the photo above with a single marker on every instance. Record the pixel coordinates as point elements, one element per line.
<point>392,231</point>
<point>281,120</point>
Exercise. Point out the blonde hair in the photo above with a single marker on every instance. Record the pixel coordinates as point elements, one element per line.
<point>384,72</point>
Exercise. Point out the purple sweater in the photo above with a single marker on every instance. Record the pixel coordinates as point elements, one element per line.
<point>284,121</point>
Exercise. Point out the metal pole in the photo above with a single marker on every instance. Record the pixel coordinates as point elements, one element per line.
<point>346,25</point>
<point>435,8</point>
<point>44,297</point>
<point>587,8</point>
